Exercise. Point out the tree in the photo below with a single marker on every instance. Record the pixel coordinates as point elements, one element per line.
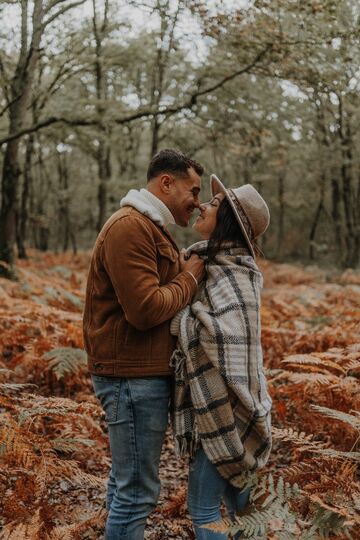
<point>18,100</point>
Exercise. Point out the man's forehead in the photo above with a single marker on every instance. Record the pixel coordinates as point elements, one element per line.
<point>193,179</point>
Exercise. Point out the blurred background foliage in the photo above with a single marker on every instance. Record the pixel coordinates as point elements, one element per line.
<point>258,91</point>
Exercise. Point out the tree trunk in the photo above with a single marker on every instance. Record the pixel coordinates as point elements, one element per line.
<point>335,214</point>
<point>20,96</point>
<point>351,256</point>
<point>11,173</point>
<point>313,229</point>
<point>63,235</point>
<point>155,137</point>
<point>103,154</point>
<point>104,171</point>
<point>22,221</point>
<point>281,217</point>
<point>42,230</point>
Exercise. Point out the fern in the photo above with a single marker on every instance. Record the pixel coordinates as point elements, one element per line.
<point>13,387</point>
<point>304,361</point>
<point>69,445</point>
<point>290,435</point>
<point>65,360</point>
<point>272,503</point>
<point>331,452</point>
<point>352,420</point>
<point>69,532</point>
<point>50,407</point>
<point>311,379</point>
<point>23,531</point>
<point>176,505</point>
<point>271,510</point>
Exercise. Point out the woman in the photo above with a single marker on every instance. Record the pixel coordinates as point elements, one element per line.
<point>222,407</point>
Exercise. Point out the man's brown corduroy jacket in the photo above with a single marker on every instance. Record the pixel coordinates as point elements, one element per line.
<point>133,290</point>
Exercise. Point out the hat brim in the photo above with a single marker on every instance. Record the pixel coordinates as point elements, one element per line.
<point>218,187</point>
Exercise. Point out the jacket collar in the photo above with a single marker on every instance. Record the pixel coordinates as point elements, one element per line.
<point>149,205</point>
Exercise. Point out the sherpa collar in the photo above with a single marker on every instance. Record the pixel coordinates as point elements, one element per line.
<point>149,205</point>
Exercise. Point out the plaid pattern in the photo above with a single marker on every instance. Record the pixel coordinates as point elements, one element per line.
<point>221,397</point>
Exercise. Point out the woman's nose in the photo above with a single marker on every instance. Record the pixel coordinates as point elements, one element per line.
<point>202,208</point>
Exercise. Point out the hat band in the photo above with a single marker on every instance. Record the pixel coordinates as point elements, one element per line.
<point>242,215</point>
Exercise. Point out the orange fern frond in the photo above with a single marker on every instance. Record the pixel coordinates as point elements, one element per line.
<point>176,504</point>
<point>23,531</point>
<point>69,532</point>
<point>303,361</point>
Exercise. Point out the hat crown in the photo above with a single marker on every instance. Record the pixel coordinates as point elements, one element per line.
<point>255,208</point>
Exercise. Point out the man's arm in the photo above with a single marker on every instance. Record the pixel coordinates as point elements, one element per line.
<point>130,259</point>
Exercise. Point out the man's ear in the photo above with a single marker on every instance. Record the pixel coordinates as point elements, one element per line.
<point>165,183</point>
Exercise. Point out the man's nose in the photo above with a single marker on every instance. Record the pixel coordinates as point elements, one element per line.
<point>197,203</point>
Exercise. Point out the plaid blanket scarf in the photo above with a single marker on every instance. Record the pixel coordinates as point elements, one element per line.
<point>221,399</point>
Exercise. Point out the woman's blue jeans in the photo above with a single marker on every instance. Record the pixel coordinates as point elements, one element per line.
<point>206,491</point>
<point>136,412</point>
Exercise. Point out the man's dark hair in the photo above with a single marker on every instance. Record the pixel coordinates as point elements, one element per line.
<point>226,229</point>
<point>173,162</point>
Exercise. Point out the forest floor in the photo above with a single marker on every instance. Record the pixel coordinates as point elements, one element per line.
<point>52,432</point>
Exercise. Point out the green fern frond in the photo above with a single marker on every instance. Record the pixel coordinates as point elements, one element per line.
<point>69,445</point>
<point>49,407</point>
<point>327,521</point>
<point>253,525</point>
<point>246,480</point>
<point>64,360</point>
<point>26,414</point>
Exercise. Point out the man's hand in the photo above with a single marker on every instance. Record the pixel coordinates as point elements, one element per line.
<point>194,265</point>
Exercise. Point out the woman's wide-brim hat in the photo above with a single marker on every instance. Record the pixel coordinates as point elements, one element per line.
<point>250,209</point>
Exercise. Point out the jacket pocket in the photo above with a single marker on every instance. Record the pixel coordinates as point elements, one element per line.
<point>166,250</point>
<point>167,259</point>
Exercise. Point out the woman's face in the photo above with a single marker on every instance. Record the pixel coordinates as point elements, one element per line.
<point>206,222</point>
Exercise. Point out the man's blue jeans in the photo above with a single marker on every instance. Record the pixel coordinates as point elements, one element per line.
<point>207,488</point>
<point>136,412</point>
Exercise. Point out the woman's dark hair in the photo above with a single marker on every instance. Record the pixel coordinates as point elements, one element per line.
<point>226,229</point>
<point>174,162</point>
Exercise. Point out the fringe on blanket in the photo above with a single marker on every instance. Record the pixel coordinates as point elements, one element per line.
<point>187,447</point>
<point>177,362</point>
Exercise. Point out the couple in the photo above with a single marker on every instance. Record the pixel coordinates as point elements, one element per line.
<point>161,324</point>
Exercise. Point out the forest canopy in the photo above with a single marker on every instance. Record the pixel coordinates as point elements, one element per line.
<point>258,91</point>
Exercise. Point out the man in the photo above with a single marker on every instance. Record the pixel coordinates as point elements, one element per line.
<point>137,282</point>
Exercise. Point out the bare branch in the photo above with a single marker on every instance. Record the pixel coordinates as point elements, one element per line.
<point>189,104</point>
<point>61,11</point>
<point>52,4</point>
<point>5,83</point>
<point>236,73</point>
<point>8,105</point>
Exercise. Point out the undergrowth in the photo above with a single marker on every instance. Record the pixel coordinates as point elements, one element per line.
<point>54,456</point>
